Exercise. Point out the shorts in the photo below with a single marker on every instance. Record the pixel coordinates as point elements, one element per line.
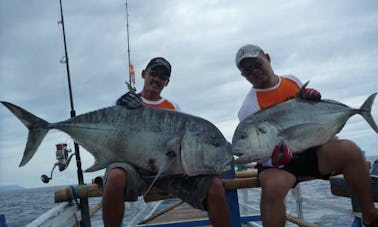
<point>304,164</point>
<point>191,189</point>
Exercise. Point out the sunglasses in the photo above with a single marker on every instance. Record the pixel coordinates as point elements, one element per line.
<point>161,74</point>
<point>247,69</point>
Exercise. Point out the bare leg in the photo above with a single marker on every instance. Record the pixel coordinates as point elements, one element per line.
<point>217,208</point>
<point>113,205</point>
<point>346,157</point>
<point>275,184</point>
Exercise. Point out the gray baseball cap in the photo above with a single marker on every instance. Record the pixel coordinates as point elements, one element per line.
<point>247,51</point>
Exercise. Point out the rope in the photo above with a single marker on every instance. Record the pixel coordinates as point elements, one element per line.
<point>152,217</point>
<point>74,193</point>
<point>300,222</point>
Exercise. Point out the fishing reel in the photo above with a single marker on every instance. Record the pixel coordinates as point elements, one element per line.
<point>63,160</point>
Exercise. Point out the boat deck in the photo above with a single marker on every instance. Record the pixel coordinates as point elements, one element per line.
<point>182,214</point>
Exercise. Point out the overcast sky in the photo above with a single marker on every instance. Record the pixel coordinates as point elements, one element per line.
<point>331,43</point>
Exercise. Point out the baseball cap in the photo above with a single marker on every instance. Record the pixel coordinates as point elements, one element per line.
<point>247,51</point>
<point>159,61</point>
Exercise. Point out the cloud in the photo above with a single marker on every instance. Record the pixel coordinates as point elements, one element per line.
<point>332,44</point>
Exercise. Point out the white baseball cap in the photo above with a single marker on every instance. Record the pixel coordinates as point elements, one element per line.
<point>247,51</point>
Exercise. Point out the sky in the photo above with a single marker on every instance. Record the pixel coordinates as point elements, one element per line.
<point>332,44</point>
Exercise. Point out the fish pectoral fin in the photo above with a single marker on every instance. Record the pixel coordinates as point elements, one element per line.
<point>299,93</point>
<point>301,130</point>
<point>153,182</point>
<point>174,145</point>
<point>164,166</point>
<point>173,151</point>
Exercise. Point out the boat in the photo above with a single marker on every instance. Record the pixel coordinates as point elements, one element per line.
<point>161,209</point>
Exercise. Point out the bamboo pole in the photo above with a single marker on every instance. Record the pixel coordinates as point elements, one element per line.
<point>245,179</point>
<point>300,222</point>
<point>152,217</point>
<point>246,173</point>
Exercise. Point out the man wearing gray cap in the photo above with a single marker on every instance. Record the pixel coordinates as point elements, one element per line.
<point>279,174</point>
<point>125,182</point>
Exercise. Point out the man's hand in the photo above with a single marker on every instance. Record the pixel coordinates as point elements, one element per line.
<point>130,100</point>
<point>281,155</point>
<point>310,94</point>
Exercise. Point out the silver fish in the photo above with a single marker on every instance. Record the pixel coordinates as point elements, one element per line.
<point>153,139</point>
<point>299,123</point>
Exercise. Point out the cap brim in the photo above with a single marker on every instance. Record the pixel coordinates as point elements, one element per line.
<point>254,54</point>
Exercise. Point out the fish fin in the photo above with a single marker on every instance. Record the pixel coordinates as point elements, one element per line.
<point>173,147</point>
<point>38,129</point>
<point>299,93</point>
<point>153,182</point>
<point>165,165</point>
<point>96,166</point>
<point>365,111</point>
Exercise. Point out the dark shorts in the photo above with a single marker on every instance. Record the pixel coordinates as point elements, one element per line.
<point>191,189</point>
<point>304,164</point>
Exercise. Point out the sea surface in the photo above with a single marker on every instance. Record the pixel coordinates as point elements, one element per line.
<point>22,206</point>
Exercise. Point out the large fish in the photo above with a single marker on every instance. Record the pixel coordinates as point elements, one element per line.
<point>153,139</point>
<point>299,123</point>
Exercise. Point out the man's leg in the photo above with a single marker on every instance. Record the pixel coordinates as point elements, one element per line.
<point>113,204</point>
<point>275,184</point>
<point>216,204</point>
<point>346,157</point>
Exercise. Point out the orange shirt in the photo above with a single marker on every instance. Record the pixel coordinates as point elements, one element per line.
<point>287,88</point>
<point>257,99</point>
<point>162,103</point>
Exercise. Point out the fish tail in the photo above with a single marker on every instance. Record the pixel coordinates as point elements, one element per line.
<point>38,129</point>
<point>365,111</point>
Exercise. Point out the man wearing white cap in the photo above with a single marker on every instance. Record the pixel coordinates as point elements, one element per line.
<point>279,174</point>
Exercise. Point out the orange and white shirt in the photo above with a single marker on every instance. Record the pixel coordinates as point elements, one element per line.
<point>258,99</point>
<point>162,103</point>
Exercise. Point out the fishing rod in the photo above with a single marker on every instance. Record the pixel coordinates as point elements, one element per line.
<point>131,83</point>
<point>84,206</point>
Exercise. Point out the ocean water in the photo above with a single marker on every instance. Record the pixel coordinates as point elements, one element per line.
<point>20,207</point>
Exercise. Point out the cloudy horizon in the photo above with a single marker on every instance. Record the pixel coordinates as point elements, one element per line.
<point>332,44</point>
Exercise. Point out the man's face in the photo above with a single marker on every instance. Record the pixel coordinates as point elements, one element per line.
<point>156,79</point>
<point>256,70</point>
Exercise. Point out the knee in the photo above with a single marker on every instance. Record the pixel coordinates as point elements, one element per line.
<point>349,149</point>
<point>116,179</point>
<point>275,188</point>
<point>216,189</point>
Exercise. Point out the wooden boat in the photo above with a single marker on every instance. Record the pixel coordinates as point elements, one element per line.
<point>166,210</point>
<point>69,200</point>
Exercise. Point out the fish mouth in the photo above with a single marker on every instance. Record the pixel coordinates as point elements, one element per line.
<point>239,160</point>
<point>237,151</point>
<point>227,164</point>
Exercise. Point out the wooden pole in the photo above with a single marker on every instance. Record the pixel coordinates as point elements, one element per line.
<point>152,217</point>
<point>300,222</point>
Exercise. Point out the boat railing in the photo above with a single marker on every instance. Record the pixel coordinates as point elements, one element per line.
<point>237,189</point>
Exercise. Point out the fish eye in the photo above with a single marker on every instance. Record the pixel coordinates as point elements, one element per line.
<point>242,136</point>
<point>213,140</point>
<point>216,142</point>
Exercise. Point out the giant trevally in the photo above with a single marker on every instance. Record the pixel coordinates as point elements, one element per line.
<point>152,139</point>
<point>298,123</point>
